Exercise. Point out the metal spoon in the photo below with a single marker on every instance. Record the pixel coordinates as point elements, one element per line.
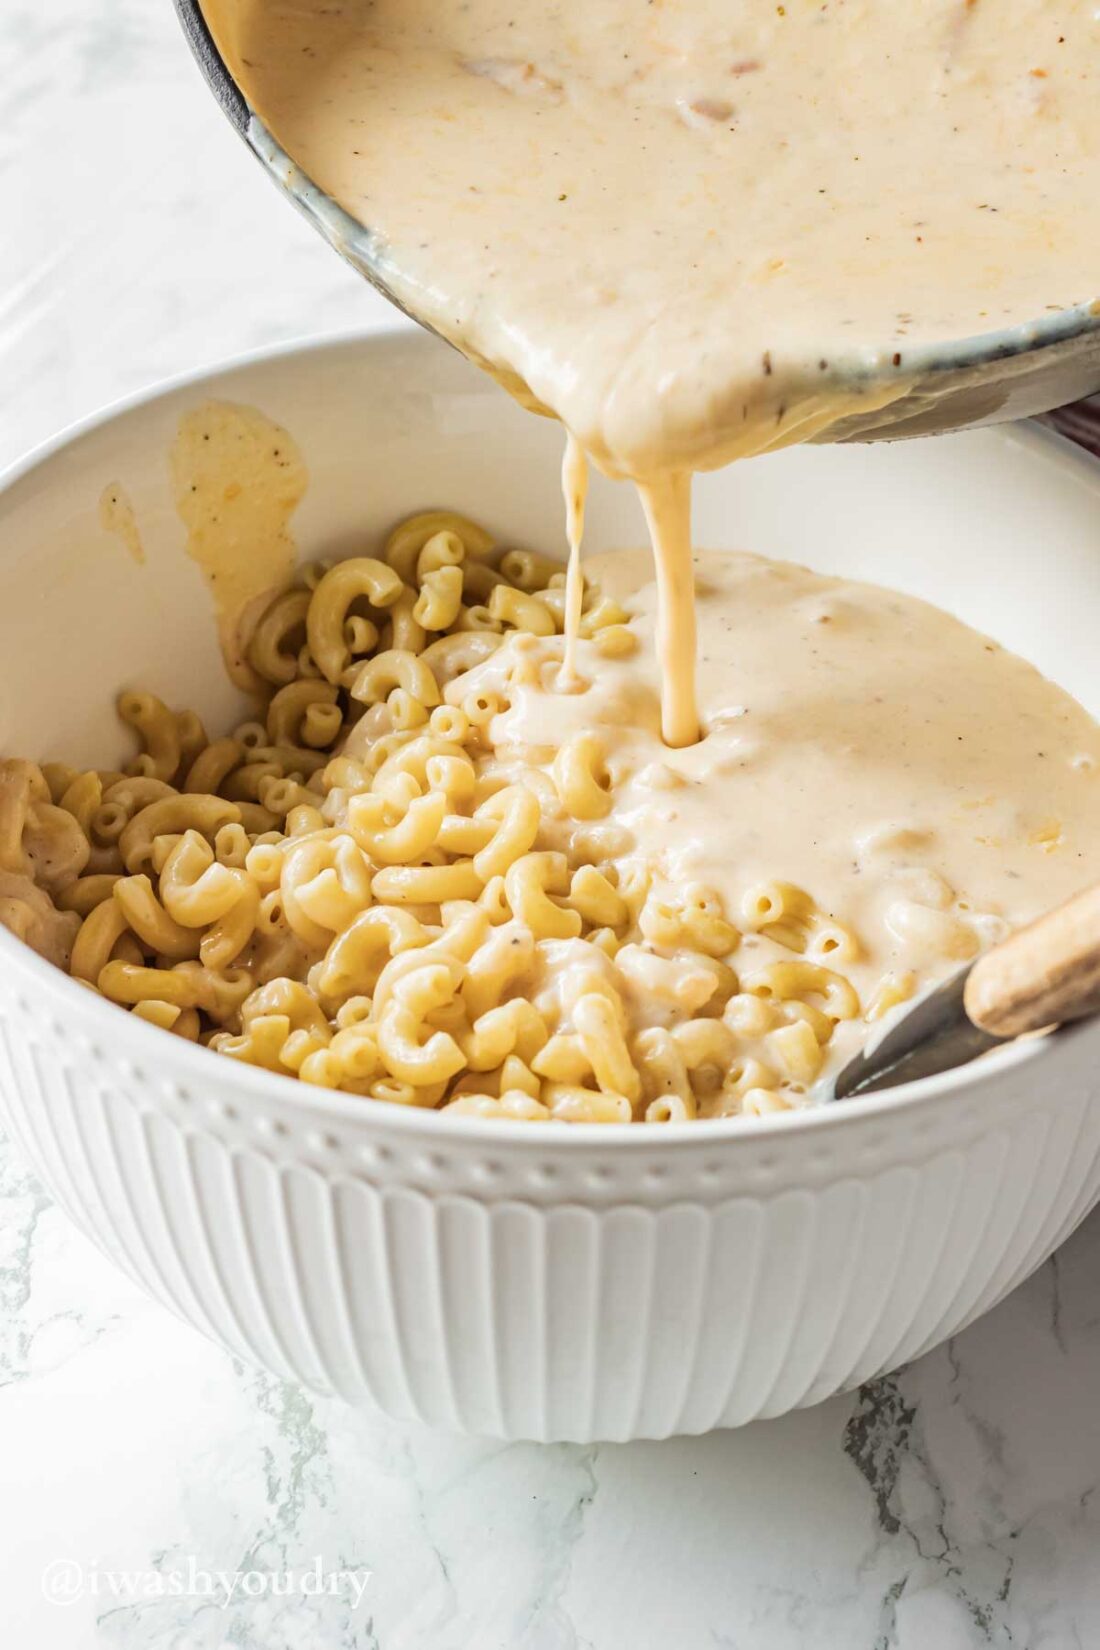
<point>1042,976</point>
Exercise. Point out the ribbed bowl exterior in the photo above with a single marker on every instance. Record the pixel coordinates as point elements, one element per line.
<point>543,1284</point>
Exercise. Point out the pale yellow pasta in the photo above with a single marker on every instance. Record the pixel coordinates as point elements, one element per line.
<point>791,1009</point>
<point>806,979</point>
<point>81,797</point>
<point>426,884</point>
<point>451,723</point>
<point>405,543</point>
<point>581,777</point>
<point>192,735</point>
<point>356,957</point>
<point>513,1028</point>
<point>686,985</point>
<point>152,924</point>
<point>395,668</point>
<point>562,1059</point>
<point>264,864</point>
<point>281,796</point>
<point>666,1085</point>
<point>243,785</point>
<point>227,937</point>
<point>413,1052</point>
<point>479,579</point>
<point>895,986</point>
<point>615,641</point>
<point>702,1043</point>
<point>197,890</point>
<point>389,837</point>
<point>480,708</point>
<point>527,569</point>
<point>440,598</point>
<point>831,941</point>
<point>761,1102</point>
<point>601,1037</point>
<point>156,1012</point>
<point>438,955</point>
<point>443,550</point>
<point>362,576</point>
<point>568,1104</point>
<point>593,896</point>
<point>504,957</point>
<point>158,728</point>
<point>603,613</point>
<point>931,934</point>
<point>747,1074</point>
<point>796,1052</point>
<point>513,1105</point>
<point>671,1108</point>
<point>403,633</point>
<point>453,777</point>
<point>96,940</point>
<point>272,649</point>
<point>132,793</point>
<point>58,777</point>
<point>360,636</point>
<point>232,845</point>
<point>405,711</point>
<point>516,814</point>
<point>125,982</point>
<point>212,767</point>
<point>325,884</point>
<point>261,1043</point>
<point>198,816</point>
<point>21,783</point>
<point>704,928</point>
<point>85,893</point>
<point>522,612</point>
<point>529,882</point>
<point>770,902</point>
<point>516,1075</point>
<point>287,711</point>
<point>749,1016</point>
<point>453,656</point>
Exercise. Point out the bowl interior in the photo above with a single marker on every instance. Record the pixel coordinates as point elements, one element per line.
<point>1001,526</point>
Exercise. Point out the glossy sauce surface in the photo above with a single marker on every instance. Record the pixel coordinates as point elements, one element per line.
<point>671,222</point>
<point>928,789</point>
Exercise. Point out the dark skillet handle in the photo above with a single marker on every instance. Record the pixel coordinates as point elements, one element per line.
<point>210,61</point>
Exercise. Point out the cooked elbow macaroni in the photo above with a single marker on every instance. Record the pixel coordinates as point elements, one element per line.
<point>358,889</point>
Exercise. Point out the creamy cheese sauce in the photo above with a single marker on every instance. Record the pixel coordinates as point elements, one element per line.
<point>696,229</point>
<point>662,218</point>
<point>927,788</point>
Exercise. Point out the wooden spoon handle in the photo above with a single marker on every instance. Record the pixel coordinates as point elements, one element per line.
<point>1044,974</point>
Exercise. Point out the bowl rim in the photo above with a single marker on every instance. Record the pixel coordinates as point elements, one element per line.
<point>320,1104</point>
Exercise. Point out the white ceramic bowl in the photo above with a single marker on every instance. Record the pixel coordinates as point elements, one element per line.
<point>529,1281</point>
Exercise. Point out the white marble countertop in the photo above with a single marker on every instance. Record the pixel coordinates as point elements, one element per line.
<point>953,1506</point>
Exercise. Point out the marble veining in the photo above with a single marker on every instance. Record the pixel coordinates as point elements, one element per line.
<point>952,1506</point>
